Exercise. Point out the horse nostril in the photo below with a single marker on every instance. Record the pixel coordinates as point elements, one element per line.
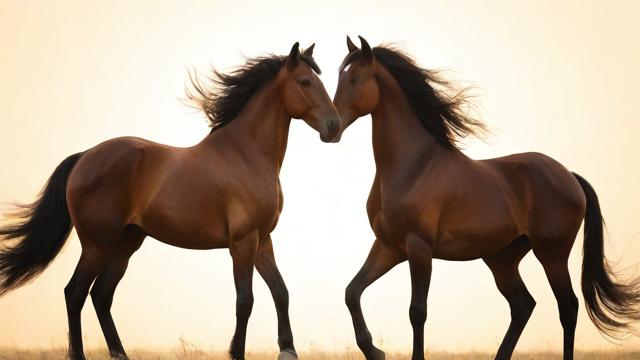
<point>334,126</point>
<point>332,129</point>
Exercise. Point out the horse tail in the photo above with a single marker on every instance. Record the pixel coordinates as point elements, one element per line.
<point>613,306</point>
<point>39,232</point>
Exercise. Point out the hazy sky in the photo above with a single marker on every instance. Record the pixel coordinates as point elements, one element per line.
<point>560,78</point>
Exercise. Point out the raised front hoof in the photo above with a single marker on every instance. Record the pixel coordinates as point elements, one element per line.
<point>375,354</point>
<point>288,355</point>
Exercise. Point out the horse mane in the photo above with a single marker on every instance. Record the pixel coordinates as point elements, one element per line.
<point>223,96</point>
<point>443,111</point>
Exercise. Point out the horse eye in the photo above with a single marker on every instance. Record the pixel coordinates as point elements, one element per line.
<point>355,79</point>
<point>304,82</point>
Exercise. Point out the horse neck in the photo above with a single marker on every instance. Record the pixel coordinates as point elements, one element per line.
<point>400,141</point>
<point>260,130</point>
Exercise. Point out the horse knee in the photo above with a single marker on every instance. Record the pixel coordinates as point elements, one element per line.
<point>352,296</point>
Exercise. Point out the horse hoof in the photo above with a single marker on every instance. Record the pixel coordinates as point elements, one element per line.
<point>288,355</point>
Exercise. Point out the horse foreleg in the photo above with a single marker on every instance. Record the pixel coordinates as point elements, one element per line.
<point>243,253</point>
<point>419,255</point>
<point>381,259</point>
<point>266,266</point>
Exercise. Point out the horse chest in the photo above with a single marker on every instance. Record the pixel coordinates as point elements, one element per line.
<point>250,204</point>
<point>255,213</point>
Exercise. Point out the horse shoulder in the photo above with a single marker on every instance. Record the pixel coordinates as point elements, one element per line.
<point>254,201</point>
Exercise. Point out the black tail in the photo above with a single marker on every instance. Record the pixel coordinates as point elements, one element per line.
<point>40,232</point>
<point>612,306</point>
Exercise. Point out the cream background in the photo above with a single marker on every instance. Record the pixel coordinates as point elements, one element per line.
<point>556,77</point>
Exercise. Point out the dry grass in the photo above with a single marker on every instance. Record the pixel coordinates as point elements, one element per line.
<point>59,354</point>
<point>187,351</point>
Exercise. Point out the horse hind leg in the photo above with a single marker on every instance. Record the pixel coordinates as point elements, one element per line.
<point>558,275</point>
<point>504,266</point>
<point>106,283</point>
<point>90,264</point>
<point>554,256</point>
<point>243,253</point>
<point>268,269</point>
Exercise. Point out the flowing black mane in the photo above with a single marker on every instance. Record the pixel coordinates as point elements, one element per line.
<point>443,112</point>
<point>223,96</point>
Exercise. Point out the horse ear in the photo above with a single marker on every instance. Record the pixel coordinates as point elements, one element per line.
<point>366,49</point>
<point>294,55</point>
<point>350,45</point>
<point>308,52</point>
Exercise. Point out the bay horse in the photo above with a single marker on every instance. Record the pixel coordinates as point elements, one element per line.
<point>221,193</point>
<point>429,200</point>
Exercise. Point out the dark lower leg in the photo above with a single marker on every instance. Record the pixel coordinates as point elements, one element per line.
<point>560,281</point>
<point>244,305</point>
<point>266,266</point>
<point>521,304</point>
<point>379,262</point>
<point>420,256</point>
<point>504,266</point>
<point>418,317</point>
<point>557,271</point>
<point>243,253</point>
<point>363,336</point>
<point>76,291</point>
<point>569,318</point>
<point>102,296</point>
<point>105,286</point>
<point>75,298</point>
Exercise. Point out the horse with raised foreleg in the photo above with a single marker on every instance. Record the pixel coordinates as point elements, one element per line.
<point>221,193</point>
<point>429,200</point>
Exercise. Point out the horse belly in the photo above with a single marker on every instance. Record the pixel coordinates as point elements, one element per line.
<point>470,247</point>
<point>206,224</point>
<point>186,217</point>
<point>188,233</point>
<point>467,237</point>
